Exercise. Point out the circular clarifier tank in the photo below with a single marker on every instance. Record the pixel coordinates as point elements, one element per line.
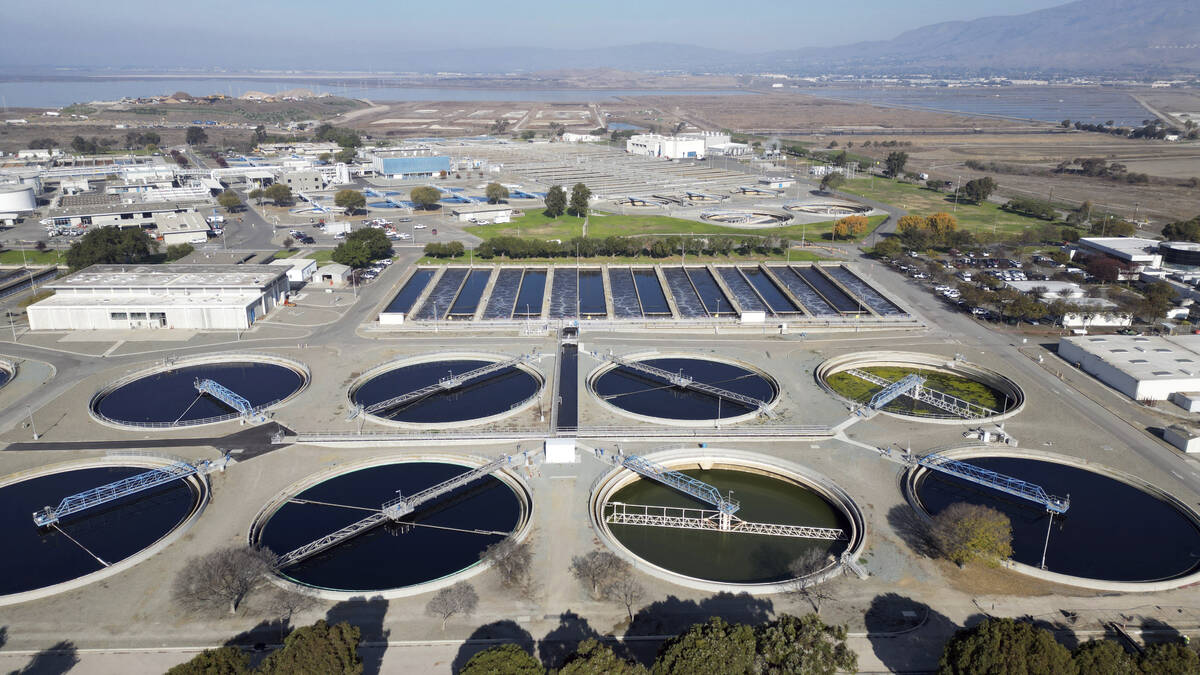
<point>165,396</point>
<point>7,372</point>
<point>439,397</point>
<point>89,544</point>
<point>441,539</point>
<point>1117,528</point>
<point>648,396</point>
<point>768,493</point>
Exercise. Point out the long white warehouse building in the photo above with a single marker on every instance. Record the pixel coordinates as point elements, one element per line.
<point>184,296</point>
<point>1144,368</point>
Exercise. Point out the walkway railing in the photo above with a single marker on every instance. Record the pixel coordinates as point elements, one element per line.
<point>685,382</point>
<point>682,482</point>
<point>996,481</point>
<point>701,519</point>
<point>116,490</point>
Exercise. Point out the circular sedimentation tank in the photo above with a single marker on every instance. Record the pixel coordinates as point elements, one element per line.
<point>488,398</point>
<point>828,208</point>
<point>165,395</point>
<point>748,219</point>
<point>652,398</point>
<point>768,490</point>
<point>7,372</point>
<point>966,381</point>
<point>1159,535</point>
<point>44,561</point>
<point>641,202</point>
<point>439,542</point>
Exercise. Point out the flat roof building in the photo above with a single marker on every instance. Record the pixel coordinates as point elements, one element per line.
<point>406,167</point>
<point>1144,368</point>
<point>497,213</point>
<point>183,296</point>
<point>669,147</point>
<point>1130,249</point>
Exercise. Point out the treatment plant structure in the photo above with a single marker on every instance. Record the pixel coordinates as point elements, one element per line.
<point>710,424</point>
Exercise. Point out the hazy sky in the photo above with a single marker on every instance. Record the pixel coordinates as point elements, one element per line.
<point>308,33</point>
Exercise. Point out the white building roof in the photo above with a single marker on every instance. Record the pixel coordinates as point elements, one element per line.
<point>1144,357</point>
<point>294,262</point>
<point>1133,249</point>
<point>120,302</point>
<point>481,208</point>
<point>172,275</point>
<point>1053,288</point>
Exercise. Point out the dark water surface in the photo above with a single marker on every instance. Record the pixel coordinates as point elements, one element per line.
<point>645,394</point>
<point>171,396</point>
<point>489,395</point>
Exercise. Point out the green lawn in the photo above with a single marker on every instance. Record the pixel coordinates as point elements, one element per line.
<point>47,257</point>
<point>285,253</point>
<point>536,224</point>
<point>922,201</point>
<point>323,256</point>
<point>796,256</point>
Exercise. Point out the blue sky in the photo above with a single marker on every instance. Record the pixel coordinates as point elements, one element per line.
<point>308,33</point>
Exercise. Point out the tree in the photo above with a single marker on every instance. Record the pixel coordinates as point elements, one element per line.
<point>319,648</point>
<point>625,590</point>
<point>556,201</point>
<point>229,200</point>
<point>803,584</point>
<point>596,568</point>
<point>979,190</point>
<point>177,251</point>
<point>511,561</point>
<point>424,196</point>
<point>1103,657</point>
<point>1005,647</point>
<point>580,194</point>
<point>256,193</point>
<point>222,578</point>
<point>279,193</point>
<point>850,226</point>
<point>345,155</point>
<point>354,254</point>
<point>457,599</point>
<point>351,200</point>
<point>941,224</point>
<point>889,248</point>
<point>803,645</point>
<point>221,661</point>
<point>831,181</point>
<point>895,163</point>
<point>966,532</point>
<point>196,136</point>
<point>592,657</point>
<point>509,659</point>
<point>712,648</point>
<point>111,245</point>
<point>496,193</point>
<point>1105,268</point>
<point>1169,658</point>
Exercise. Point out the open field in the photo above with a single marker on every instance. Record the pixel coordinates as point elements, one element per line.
<point>922,201</point>
<point>33,257</point>
<point>600,225</point>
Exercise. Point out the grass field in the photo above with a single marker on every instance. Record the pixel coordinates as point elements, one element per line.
<point>860,390</point>
<point>922,201</point>
<point>323,256</point>
<point>796,256</point>
<point>600,225</point>
<point>48,257</point>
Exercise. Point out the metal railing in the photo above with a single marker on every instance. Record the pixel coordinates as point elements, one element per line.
<point>756,431</point>
<point>702,519</point>
<point>996,481</point>
<point>682,482</point>
<point>444,384</point>
<point>116,490</point>
<point>919,392</point>
<point>685,382</point>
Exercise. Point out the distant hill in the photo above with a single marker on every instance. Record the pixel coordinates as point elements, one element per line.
<point>1095,36</point>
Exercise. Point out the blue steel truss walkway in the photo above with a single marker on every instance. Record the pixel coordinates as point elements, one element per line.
<point>444,384</point>
<point>685,382</point>
<point>996,481</point>
<point>392,510</point>
<point>122,488</point>
<point>225,395</point>
<point>682,482</point>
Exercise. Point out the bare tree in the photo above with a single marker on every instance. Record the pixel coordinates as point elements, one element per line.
<point>457,599</point>
<point>804,584</point>
<point>222,578</point>
<point>511,559</point>
<point>596,568</point>
<point>625,590</point>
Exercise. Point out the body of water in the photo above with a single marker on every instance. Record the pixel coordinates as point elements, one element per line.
<point>1047,104</point>
<point>55,93</point>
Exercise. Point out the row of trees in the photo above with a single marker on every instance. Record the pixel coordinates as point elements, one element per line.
<point>628,247</point>
<point>789,644</point>
<point>111,245</point>
<point>452,249</point>
<point>279,193</point>
<point>1185,230</point>
<point>557,203</point>
<point>319,648</point>
<point>937,230</point>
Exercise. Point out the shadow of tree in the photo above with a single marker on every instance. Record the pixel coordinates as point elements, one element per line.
<point>488,635</point>
<point>54,660</point>
<point>368,614</point>
<point>1156,630</point>
<point>672,615</point>
<point>912,530</point>
<point>563,640</point>
<point>905,634</point>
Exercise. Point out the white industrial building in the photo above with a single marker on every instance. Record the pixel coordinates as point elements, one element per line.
<point>183,296</point>
<point>496,213</point>
<point>17,198</point>
<point>669,147</point>
<point>183,228</point>
<point>1134,250</point>
<point>1144,368</point>
<point>299,270</point>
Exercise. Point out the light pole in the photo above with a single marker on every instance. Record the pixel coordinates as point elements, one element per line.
<point>29,409</point>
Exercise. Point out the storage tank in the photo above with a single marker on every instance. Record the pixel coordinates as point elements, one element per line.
<point>15,198</point>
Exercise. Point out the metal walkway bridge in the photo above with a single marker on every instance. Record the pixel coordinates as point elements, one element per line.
<point>116,490</point>
<point>226,396</point>
<point>684,483</point>
<point>389,511</point>
<point>917,390</point>
<point>996,481</point>
<point>444,384</point>
<point>700,519</point>
<point>684,382</point>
